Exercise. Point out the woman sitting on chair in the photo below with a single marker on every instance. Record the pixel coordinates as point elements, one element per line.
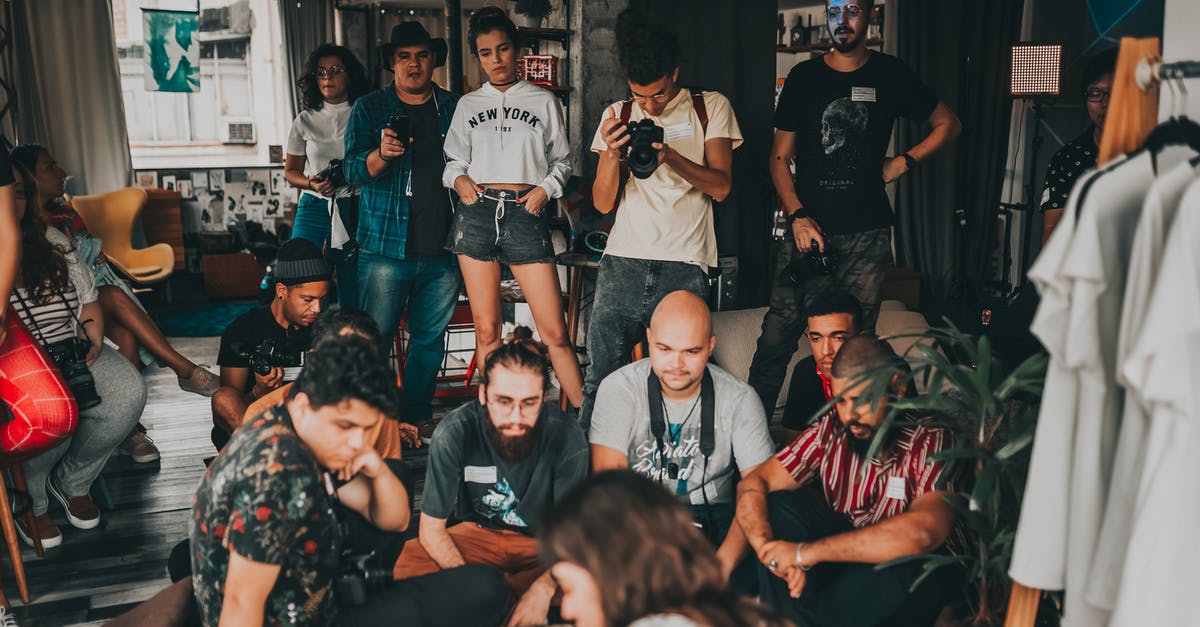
<point>55,296</point>
<point>126,322</point>
<point>43,412</point>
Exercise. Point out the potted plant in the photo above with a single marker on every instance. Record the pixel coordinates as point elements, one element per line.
<point>534,11</point>
<point>992,411</point>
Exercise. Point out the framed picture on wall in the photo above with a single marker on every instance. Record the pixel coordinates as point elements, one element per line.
<point>216,179</point>
<point>167,182</point>
<point>172,59</point>
<point>278,182</point>
<point>184,187</point>
<point>147,179</point>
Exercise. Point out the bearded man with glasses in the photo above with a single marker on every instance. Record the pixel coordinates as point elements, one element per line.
<point>834,119</point>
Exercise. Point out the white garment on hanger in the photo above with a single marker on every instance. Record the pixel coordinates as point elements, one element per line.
<point>1157,583</point>
<point>1039,552</point>
<point>1154,224</point>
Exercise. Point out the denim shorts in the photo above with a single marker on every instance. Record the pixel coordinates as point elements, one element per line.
<point>496,228</point>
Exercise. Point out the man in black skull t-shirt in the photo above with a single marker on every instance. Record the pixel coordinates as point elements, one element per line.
<point>835,117</point>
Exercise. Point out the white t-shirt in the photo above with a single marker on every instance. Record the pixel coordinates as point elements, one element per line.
<point>320,136</point>
<point>621,421</point>
<point>1154,224</point>
<point>1158,580</point>
<point>663,217</point>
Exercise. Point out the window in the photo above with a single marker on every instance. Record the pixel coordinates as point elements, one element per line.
<point>240,108</point>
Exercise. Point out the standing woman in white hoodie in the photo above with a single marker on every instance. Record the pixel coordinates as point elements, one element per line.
<point>507,156</point>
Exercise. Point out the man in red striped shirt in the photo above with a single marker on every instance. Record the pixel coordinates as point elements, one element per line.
<point>822,504</point>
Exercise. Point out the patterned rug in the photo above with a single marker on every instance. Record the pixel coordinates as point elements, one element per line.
<point>204,321</point>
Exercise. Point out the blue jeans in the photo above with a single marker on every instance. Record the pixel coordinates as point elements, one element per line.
<point>627,291</point>
<point>313,223</point>
<point>428,287</point>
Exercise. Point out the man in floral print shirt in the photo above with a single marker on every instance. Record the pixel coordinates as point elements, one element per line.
<point>264,539</point>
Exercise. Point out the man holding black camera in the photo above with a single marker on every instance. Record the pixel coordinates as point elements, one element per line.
<point>664,177</point>
<point>264,348</point>
<point>394,152</point>
<point>266,539</point>
<point>835,117</point>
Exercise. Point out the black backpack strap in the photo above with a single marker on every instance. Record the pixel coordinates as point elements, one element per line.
<point>708,412</point>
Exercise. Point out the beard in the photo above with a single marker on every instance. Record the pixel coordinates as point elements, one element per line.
<point>861,446</point>
<point>848,44</point>
<point>513,448</point>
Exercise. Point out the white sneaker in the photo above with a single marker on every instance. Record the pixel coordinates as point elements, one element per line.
<point>6,619</point>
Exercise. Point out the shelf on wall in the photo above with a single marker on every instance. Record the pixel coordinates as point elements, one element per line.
<point>821,47</point>
<point>552,34</point>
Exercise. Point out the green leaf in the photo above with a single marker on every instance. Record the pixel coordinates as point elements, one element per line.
<point>1027,377</point>
<point>1015,445</point>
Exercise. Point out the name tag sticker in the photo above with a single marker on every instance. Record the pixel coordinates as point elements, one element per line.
<point>862,94</point>
<point>895,488</point>
<point>480,474</point>
<point>678,131</point>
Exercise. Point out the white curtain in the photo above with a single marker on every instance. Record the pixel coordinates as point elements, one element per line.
<point>69,90</point>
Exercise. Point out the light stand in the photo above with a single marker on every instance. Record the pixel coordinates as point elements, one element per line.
<point>1036,75</point>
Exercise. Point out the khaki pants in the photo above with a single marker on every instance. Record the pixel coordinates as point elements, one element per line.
<point>513,553</point>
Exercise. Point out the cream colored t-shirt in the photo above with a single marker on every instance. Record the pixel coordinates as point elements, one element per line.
<point>663,217</point>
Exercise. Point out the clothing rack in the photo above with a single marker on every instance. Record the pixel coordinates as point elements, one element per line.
<point>1150,72</point>
<point>1132,84</point>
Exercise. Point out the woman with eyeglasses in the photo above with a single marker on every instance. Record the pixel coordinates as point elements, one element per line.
<point>333,80</point>
<point>507,156</point>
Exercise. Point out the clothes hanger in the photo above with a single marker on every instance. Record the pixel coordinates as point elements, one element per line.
<point>1179,129</point>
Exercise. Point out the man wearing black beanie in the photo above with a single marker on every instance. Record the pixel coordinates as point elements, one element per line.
<point>264,348</point>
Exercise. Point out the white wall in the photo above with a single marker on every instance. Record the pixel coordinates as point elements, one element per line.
<point>1181,44</point>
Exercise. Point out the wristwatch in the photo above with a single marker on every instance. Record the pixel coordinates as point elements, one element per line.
<point>798,213</point>
<point>909,161</point>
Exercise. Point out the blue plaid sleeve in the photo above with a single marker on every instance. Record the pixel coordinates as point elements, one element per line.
<point>361,139</point>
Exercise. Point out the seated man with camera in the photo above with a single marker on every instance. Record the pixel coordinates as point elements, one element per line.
<point>682,421</point>
<point>265,534</point>
<point>265,347</point>
<point>665,155</point>
<point>824,512</point>
<point>498,465</point>
<point>834,118</point>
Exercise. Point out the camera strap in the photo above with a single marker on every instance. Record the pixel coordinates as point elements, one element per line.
<point>708,410</point>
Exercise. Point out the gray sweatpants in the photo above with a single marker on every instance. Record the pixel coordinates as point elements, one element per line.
<point>75,464</point>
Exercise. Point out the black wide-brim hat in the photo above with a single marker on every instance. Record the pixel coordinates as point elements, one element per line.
<point>413,34</point>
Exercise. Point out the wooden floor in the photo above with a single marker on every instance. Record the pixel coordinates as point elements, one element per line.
<point>98,574</point>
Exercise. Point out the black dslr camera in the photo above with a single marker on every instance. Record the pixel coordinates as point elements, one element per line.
<point>643,158</point>
<point>356,580</point>
<point>274,352</point>
<point>810,264</point>
<point>70,355</point>
<point>333,173</point>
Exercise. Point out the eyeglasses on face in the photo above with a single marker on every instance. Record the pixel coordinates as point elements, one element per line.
<point>1098,95</point>
<point>644,100</point>
<point>851,11</point>
<point>326,72</point>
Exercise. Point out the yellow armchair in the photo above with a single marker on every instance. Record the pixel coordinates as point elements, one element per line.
<point>110,217</point>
